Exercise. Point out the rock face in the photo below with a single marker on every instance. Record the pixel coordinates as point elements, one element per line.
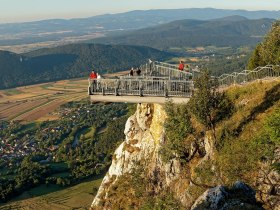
<point>240,196</point>
<point>143,131</point>
<point>268,183</point>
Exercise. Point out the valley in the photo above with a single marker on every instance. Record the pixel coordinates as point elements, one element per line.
<point>56,145</point>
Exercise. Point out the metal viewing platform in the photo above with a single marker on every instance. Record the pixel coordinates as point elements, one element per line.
<point>159,82</point>
<point>156,83</point>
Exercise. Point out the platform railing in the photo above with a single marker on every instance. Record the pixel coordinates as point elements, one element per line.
<point>164,69</point>
<point>269,71</point>
<point>141,87</point>
<point>161,79</point>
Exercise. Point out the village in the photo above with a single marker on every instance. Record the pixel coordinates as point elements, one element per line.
<point>18,141</point>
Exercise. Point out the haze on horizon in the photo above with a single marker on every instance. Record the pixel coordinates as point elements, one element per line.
<point>30,10</point>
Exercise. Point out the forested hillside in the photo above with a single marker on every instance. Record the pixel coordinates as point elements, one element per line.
<point>229,31</point>
<point>267,52</point>
<point>71,61</point>
<point>59,29</point>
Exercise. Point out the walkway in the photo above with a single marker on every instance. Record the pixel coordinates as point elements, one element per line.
<point>160,81</point>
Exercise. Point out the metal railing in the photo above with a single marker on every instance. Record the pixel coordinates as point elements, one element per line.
<point>141,87</point>
<point>160,69</point>
<point>269,71</point>
<point>164,80</point>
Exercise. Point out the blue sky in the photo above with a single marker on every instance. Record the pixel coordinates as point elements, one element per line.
<point>26,10</point>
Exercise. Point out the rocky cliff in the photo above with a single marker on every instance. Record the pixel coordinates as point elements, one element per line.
<point>139,156</point>
<point>144,134</point>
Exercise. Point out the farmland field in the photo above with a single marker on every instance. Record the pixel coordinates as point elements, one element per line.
<point>37,102</point>
<point>53,197</point>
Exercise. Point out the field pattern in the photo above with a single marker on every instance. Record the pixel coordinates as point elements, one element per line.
<point>37,102</point>
<point>76,197</point>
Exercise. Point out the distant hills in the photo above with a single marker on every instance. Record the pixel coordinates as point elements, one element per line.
<point>228,31</point>
<point>73,30</point>
<point>71,61</point>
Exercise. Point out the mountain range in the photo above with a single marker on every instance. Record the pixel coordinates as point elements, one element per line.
<point>71,61</point>
<point>102,25</point>
<point>229,31</point>
<point>120,52</point>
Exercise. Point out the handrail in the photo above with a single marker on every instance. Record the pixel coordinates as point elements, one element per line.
<point>156,68</point>
<point>249,75</point>
<point>165,80</point>
<point>141,87</point>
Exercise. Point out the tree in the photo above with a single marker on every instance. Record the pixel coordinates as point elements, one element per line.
<point>267,52</point>
<point>177,128</point>
<point>208,104</point>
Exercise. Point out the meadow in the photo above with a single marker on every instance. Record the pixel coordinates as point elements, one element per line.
<point>53,197</point>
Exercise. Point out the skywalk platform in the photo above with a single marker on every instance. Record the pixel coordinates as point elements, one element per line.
<point>160,82</point>
<point>137,99</point>
<point>157,83</point>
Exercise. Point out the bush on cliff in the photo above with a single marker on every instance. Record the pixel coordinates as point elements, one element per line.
<point>177,127</point>
<point>208,105</point>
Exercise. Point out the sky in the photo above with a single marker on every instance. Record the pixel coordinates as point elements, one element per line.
<point>29,10</point>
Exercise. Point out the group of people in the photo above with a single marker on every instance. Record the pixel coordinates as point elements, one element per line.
<point>181,66</point>
<point>95,78</point>
<point>138,72</point>
<point>93,75</point>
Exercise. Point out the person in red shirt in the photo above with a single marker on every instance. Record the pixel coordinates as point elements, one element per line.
<point>93,75</point>
<point>181,66</point>
<point>93,78</point>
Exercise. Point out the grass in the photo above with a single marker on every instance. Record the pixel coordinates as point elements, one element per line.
<point>62,166</point>
<point>61,175</point>
<point>243,142</point>
<point>30,109</point>
<point>27,127</point>
<point>88,133</point>
<point>53,197</point>
<point>44,189</point>
<point>6,173</point>
<point>12,92</point>
<point>46,86</point>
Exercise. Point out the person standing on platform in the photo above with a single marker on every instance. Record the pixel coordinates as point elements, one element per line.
<point>131,72</point>
<point>98,81</point>
<point>138,72</point>
<point>93,78</point>
<point>181,66</point>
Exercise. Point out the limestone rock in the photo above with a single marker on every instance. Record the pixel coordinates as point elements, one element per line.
<point>240,196</point>
<point>268,183</point>
<point>143,132</point>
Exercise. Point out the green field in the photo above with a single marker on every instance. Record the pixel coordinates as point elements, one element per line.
<point>53,197</point>
<point>12,92</point>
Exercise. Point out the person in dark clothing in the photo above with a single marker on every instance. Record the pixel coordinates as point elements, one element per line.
<point>138,72</point>
<point>131,72</point>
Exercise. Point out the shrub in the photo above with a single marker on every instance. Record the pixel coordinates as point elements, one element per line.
<point>177,127</point>
<point>208,105</point>
<point>272,126</point>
